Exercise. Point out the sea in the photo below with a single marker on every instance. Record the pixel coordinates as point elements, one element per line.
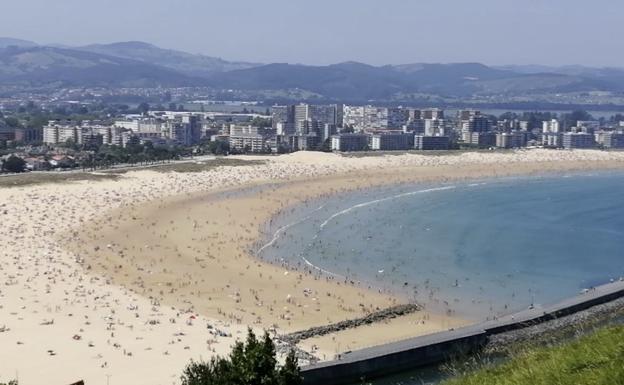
<point>474,250</point>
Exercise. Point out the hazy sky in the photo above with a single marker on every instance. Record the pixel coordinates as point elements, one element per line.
<point>550,32</point>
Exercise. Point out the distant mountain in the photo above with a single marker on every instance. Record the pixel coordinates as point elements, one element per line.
<point>41,66</point>
<point>344,80</point>
<point>572,70</point>
<point>451,79</point>
<point>183,62</point>
<point>356,81</point>
<point>138,64</point>
<point>9,41</point>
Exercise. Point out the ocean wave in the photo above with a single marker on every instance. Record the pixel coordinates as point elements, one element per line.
<point>279,231</point>
<point>369,203</point>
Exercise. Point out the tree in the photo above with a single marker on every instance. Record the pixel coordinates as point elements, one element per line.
<point>536,118</point>
<point>14,164</point>
<point>219,147</point>
<point>617,118</point>
<point>571,119</point>
<point>261,122</point>
<point>12,122</point>
<point>508,116</point>
<point>290,374</point>
<point>143,108</point>
<point>253,362</point>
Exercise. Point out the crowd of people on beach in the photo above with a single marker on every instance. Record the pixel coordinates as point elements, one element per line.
<point>56,304</point>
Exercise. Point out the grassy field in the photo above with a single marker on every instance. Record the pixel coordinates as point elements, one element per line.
<point>596,359</point>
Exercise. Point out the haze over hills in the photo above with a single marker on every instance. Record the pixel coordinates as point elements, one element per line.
<point>9,41</point>
<point>138,64</point>
<point>186,63</point>
<point>48,66</point>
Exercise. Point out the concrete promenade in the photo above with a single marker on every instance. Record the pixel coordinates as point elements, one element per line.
<point>434,348</point>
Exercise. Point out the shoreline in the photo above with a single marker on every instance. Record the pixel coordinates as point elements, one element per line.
<point>49,296</point>
<point>273,232</point>
<point>372,196</point>
<point>348,292</point>
<point>602,303</point>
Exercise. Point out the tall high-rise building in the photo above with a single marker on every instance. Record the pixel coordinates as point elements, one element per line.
<point>432,113</point>
<point>295,119</point>
<point>414,114</point>
<point>397,118</point>
<point>551,126</point>
<point>434,127</point>
<point>375,118</point>
<point>195,128</point>
<point>339,111</point>
<point>284,115</point>
<point>467,114</point>
<point>479,123</point>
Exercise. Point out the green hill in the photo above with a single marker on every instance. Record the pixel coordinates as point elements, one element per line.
<point>596,359</point>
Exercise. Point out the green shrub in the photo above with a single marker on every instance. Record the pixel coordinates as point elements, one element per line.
<point>251,363</point>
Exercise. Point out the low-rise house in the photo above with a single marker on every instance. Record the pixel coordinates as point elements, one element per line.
<point>37,164</point>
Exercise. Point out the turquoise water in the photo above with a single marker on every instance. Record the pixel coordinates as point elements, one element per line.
<point>476,250</point>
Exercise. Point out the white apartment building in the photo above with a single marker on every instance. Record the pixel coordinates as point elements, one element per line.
<point>55,133</point>
<point>551,126</point>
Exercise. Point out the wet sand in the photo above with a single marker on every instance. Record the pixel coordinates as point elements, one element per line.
<point>194,252</point>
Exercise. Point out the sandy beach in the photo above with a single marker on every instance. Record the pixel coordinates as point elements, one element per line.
<point>125,281</point>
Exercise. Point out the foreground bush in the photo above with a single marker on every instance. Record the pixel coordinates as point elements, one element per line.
<point>597,359</point>
<point>251,363</point>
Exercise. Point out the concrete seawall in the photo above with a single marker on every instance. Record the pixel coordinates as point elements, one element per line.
<point>434,348</point>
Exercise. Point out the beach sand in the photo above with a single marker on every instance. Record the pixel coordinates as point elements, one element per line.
<point>122,278</point>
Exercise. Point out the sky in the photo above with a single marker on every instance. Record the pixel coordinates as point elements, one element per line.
<point>320,32</point>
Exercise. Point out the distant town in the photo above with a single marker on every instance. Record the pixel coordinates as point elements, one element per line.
<point>148,134</point>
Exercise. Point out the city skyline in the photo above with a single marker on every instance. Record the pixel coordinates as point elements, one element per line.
<point>395,32</point>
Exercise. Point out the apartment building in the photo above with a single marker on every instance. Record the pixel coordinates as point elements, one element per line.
<point>248,138</point>
<point>514,139</point>
<point>573,140</point>
<point>390,141</point>
<point>349,142</point>
<point>610,139</point>
<point>424,142</point>
<point>59,133</point>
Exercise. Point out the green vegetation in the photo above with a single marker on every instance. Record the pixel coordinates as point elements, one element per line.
<point>261,122</point>
<point>596,359</point>
<point>250,363</point>
<point>107,156</point>
<point>9,383</point>
<point>14,164</point>
<point>191,166</point>
<point>29,179</point>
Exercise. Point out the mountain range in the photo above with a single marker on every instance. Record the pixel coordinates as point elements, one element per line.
<point>138,64</point>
